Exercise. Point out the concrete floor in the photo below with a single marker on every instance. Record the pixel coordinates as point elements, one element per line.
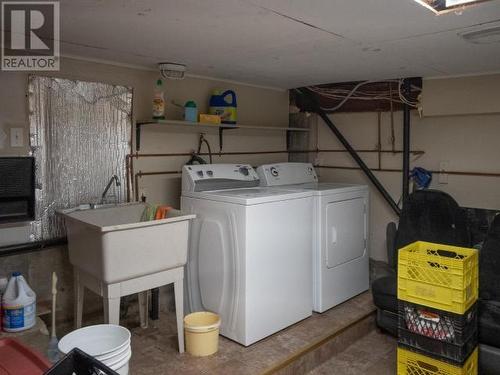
<point>374,354</point>
<point>155,349</point>
<point>293,350</point>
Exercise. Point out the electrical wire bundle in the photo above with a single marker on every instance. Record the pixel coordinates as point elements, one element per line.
<point>356,93</point>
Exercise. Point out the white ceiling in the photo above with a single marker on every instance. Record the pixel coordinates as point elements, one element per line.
<point>282,43</point>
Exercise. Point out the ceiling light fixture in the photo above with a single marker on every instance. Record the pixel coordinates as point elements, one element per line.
<point>171,70</point>
<point>445,6</point>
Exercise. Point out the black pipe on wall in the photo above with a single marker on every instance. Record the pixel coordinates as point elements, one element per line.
<point>406,143</point>
<point>317,109</point>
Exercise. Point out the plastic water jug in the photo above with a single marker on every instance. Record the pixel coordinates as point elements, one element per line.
<point>223,104</point>
<point>190,111</point>
<point>18,304</point>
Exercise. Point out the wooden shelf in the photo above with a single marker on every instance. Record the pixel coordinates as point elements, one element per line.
<point>201,127</point>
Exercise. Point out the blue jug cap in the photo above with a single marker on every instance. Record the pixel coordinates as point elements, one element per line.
<point>15,274</point>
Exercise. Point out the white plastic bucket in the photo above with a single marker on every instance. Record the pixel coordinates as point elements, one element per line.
<point>117,353</point>
<point>97,341</point>
<point>118,361</point>
<point>107,343</point>
<point>112,361</point>
<point>121,366</point>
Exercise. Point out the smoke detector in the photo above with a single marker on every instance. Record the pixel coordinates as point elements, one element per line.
<point>484,36</point>
<point>171,70</point>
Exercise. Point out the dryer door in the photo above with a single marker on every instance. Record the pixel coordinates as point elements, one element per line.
<point>345,231</point>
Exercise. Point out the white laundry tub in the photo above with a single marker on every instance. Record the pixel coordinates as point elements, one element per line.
<point>112,244</point>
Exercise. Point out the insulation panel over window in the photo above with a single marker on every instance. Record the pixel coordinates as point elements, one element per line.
<point>79,136</point>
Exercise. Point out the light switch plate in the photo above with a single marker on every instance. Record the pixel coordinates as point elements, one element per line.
<point>16,137</point>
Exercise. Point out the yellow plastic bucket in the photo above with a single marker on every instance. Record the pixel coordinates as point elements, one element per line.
<point>201,330</point>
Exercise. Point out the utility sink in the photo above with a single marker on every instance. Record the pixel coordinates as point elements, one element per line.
<point>112,244</point>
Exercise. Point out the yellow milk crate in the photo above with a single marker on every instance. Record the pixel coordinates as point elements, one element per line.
<point>440,276</point>
<point>411,363</point>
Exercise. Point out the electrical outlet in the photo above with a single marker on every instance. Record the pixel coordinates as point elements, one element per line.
<point>444,166</point>
<point>16,137</point>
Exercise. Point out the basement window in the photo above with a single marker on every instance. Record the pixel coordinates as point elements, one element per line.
<point>79,136</point>
<point>444,6</point>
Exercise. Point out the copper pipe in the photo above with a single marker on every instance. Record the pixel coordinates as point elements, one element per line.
<point>178,154</point>
<point>393,134</point>
<point>140,174</point>
<point>136,188</point>
<point>131,169</point>
<point>206,153</point>
<point>379,143</point>
<point>356,168</point>
<point>127,175</point>
<point>416,152</point>
<point>128,159</point>
<point>456,173</point>
<point>467,173</point>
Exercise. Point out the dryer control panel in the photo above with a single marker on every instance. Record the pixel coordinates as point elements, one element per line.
<point>286,174</point>
<point>203,177</point>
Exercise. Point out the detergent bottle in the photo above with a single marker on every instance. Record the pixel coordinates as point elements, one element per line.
<point>18,304</point>
<point>223,104</point>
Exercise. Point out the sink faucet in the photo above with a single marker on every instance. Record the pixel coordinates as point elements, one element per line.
<point>117,182</point>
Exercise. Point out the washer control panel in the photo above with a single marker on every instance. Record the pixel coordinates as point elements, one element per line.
<point>212,176</point>
<point>222,171</point>
<point>286,174</point>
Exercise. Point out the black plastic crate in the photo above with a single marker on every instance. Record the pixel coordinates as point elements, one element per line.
<point>451,353</point>
<point>77,362</point>
<point>437,333</point>
<point>438,324</point>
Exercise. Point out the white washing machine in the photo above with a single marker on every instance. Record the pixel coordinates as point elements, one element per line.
<point>340,227</point>
<point>250,256</point>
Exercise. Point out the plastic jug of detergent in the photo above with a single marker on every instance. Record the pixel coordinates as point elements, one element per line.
<point>223,104</point>
<point>18,304</point>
